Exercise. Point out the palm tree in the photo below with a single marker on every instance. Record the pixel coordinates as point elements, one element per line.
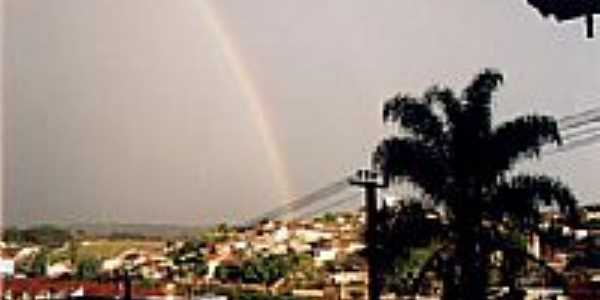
<point>447,146</point>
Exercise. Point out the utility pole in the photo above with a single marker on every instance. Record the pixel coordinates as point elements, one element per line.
<point>122,279</point>
<point>127,285</point>
<point>371,181</point>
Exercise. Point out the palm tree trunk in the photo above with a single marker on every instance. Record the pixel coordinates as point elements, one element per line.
<point>450,280</point>
<point>472,275</point>
<point>471,257</point>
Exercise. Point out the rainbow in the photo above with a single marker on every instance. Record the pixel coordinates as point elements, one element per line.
<point>249,89</point>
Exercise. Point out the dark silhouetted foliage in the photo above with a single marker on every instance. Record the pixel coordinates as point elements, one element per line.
<point>448,146</point>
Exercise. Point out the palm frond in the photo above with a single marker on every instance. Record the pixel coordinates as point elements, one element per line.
<point>481,88</point>
<point>522,195</point>
<point>444,97</point>
<point>413,115</point>
<point>521,138</point>
<point>478,96</point>
<point>414,160</point>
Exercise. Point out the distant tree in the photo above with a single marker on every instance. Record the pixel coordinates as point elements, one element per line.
<point>228,273</point>
<point>13,235</point>
<point>303,266</point>
<point>39,266</point>
<point>147,283</point>
<point>88,269</point>
<point>266,269</point>
<point>190,259</point>
<point>329,217</point>
<point>223,228</point>
<point>213,236</point>
<point>46,235</point>
<point>449,148</point>
<point>250,274</point>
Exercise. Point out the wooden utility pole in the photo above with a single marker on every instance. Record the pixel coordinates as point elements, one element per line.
<point>127,285</point>
<point>371,181</point>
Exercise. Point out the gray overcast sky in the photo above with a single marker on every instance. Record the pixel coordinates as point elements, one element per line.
<point>131,111</point>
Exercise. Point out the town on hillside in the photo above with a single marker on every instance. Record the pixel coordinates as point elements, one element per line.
<point>318,258</point>
<point>467,126</point>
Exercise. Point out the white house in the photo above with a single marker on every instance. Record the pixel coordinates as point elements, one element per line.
<point>347,277</point>
<point>280,235</point>
<point>111,264</point>
<point>58,269</point>
<point>7,267</point>
<point>324,254</point>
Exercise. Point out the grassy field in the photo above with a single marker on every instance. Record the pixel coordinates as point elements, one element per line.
<point>103,249</point>
<point>112,248</point>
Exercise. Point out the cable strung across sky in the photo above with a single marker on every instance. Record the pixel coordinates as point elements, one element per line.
<point>318,195</point>
<point>337,203</point>
<point>572,120</point>
<point>576,133</point>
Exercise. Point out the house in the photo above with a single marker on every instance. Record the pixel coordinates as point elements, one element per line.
<point>308,293</point>
<point>281,234</point>
<point>112,264</point>
<point>535,293</point>
<point>44,288</point>
<point>312,236</point>
<point>26,252</point>
<point>211,297</point>
<point>349,277</point>
<point>7,267</point>
<point>591,213</point>
<point>299,247</point>
<point>58,270</point>
<point>324,254</point>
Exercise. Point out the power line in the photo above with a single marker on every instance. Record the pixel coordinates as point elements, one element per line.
<point>580,123</point>
<point>566,123</point>
<point>309,199</point>
<point>580,137</point>
<point>583,142</point>
<point>565,120</point>
<point>579,133</point>
<point>329,206</point>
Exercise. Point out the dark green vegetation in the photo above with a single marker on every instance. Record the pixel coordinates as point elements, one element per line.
<point>137,231</point>
<point>409,238</point>
<point>189,259</point>
<point>448,146</point>
<point>45,235</point>
<point>88,269</point>
<point>39,265</point>
<point>54,235</point>
<point>258,270</point>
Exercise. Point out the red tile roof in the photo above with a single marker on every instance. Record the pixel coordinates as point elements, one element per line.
<point>36,286</point>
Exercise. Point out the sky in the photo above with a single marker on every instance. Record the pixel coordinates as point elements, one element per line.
<point>195,112</point>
